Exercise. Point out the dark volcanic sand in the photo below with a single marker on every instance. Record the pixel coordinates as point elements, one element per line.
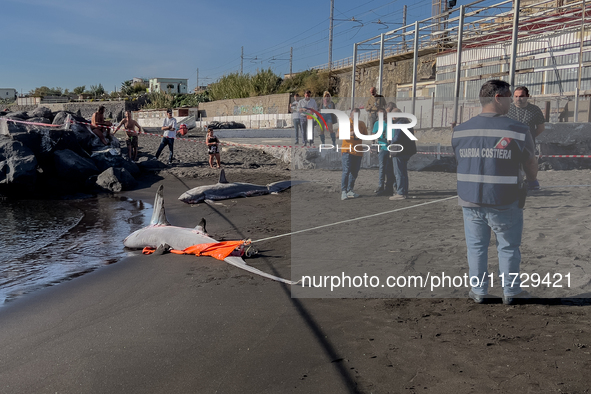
<point>186,324</point>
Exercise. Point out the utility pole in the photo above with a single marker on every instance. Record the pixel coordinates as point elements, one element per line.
<point>290,60</point>
<point>197,87</point>
<point>241,60</point>
<point>516,5</point>
<point>330,37</point>
<point>404,29</point>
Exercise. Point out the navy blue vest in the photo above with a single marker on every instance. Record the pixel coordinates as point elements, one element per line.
<point>489,151</point>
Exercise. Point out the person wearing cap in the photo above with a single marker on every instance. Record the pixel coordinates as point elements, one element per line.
<point>213,147</point>
<point>132,129</point>
<point>170,129</point>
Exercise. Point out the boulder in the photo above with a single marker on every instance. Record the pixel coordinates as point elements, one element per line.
<point>18,165</point>
<point>42,112</point>
<point>564,139</point>
<point>72,166</point>
<point>21,115</point>
<point>116,180</point>
<point>105,160</point>
<point>39,120</point>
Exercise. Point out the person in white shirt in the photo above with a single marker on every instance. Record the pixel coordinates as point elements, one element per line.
<point>170,129</point>
<point>304,106</point>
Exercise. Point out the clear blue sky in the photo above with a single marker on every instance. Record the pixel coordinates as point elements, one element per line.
<point>67,43</point>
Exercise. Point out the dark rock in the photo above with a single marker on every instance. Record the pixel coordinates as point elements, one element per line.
<point>18,165</point>
<point>21,115</point>
<point>42,112</point>
<point>74,167</point>
<point>60,117</point>
<point>116,180</point>
<point>39,120</point>
<point>105,160</point>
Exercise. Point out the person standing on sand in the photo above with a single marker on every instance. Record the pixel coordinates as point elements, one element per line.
<point>307,103</point>
<point>351,158</point>
<point>490,149</point>
<point>170,130</point>
<point>295,117</point>
<point>327,103</point>
<point>386,178</point>
<point>531,115</point>
<point>213,148</point>
<point>132,129</point>
<point>374,103</point>
<point>99,126</point>
<point>400,159</point>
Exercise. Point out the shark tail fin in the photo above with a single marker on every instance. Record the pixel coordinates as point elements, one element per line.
<point>223,177</point>
<point>159,216</point>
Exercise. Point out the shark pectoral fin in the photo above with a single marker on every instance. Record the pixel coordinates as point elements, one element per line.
<point>238,262</point>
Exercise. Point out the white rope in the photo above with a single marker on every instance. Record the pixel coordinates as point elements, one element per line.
<point>354,219</point>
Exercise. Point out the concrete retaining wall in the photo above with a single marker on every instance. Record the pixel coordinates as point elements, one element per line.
<point>262,105</point>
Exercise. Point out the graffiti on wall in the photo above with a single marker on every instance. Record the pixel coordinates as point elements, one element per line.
<point>248,110</point>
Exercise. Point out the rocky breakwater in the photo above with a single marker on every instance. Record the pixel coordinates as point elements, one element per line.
<point>43,155</point>
<point>564,139</point>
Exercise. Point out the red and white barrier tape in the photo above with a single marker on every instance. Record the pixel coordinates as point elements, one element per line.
<point>32,123</point>
<point>570,156</point>
<point>252,145</point>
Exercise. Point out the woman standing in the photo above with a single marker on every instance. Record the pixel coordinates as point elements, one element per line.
<point>213,147</point>
<point>327,103</point>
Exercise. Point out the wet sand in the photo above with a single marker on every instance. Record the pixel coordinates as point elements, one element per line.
<point>185,324</point>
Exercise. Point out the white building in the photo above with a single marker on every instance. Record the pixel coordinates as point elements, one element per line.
<point>168,85</point>
<point>7,93</point>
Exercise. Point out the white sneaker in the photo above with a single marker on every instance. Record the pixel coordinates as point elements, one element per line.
<point>398,197</point>
<point>344,196</point>
<point>352,194</point>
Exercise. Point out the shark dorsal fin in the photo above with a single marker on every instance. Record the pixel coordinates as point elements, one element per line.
<point>159,216</point>
<point>223,177</point>
<point>201,226</point>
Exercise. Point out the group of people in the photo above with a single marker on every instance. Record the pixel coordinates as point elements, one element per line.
<point>393,172</point>
<point>393,156</point>
<point>101,128</point>
<point>301,112</point>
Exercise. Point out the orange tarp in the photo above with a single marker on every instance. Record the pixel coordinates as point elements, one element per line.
<point>218,250</point>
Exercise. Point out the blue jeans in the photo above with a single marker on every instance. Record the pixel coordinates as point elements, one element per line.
<point>386,172</point>
<point>507,223</point>
<point>351,166</point>
<point>170,143</point>
<point>296,126</point>
<point>401,173</point>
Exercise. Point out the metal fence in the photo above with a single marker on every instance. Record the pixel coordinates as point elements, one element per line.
<point>543,45</point>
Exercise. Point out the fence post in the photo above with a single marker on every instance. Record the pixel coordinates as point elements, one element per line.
<point>432,108</point>
<point>438,151</point>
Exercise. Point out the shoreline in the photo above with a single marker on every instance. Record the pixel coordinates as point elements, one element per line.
<point>186,324</point>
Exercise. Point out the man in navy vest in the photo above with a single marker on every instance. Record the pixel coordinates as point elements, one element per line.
<point>491,149</point>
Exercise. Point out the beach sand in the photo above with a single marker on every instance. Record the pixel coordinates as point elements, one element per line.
<point>185,324</point>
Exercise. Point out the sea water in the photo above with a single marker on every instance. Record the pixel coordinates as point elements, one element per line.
<point>43,243</point>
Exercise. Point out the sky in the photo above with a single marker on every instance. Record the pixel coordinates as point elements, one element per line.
<point>67,43</point>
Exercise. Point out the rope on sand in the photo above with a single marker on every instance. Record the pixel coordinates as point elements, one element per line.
<point>355,219</point>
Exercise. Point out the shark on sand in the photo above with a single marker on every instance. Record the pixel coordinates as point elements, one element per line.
<point>224,190</point>
<point>160,232</point>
